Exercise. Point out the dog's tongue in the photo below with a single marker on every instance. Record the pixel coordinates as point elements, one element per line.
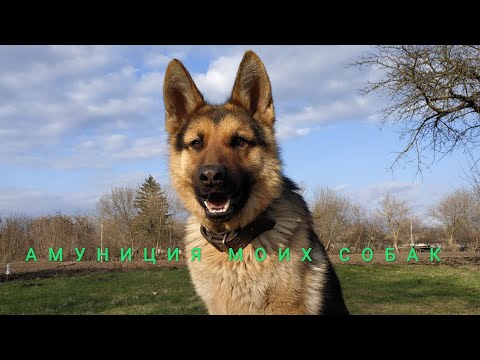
<point>217,200</point>
<point>217,203</point>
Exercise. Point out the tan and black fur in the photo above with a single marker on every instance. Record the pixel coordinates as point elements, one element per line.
<point>237,141</point>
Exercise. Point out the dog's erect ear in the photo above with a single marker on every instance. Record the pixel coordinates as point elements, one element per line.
<point>180,95</point>
<point>252,89</point>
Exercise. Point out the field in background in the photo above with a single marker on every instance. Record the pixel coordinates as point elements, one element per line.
<point>371,289</point>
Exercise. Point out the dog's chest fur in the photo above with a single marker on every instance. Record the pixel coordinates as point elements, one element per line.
<point>253,287</point>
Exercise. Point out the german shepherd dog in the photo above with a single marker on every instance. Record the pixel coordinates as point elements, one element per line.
<point>250,229</point>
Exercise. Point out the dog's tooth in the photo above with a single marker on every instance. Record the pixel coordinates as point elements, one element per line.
<point>207,205</point>
<point>217,210</point>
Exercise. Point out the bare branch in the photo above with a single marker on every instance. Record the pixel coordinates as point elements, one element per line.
<point>433,92</point>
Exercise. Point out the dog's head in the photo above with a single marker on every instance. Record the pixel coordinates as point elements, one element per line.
<point>224,159</point>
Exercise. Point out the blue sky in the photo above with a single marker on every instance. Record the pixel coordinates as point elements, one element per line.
<point>76,121</point>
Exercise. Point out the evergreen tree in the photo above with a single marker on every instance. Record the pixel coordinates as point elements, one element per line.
<point>152,205</point>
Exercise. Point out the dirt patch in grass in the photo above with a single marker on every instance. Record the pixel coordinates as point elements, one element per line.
<point>45,269</point>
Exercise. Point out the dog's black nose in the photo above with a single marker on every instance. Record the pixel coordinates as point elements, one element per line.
<point>212,175</point>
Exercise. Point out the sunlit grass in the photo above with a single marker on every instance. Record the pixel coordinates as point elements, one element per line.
<point>372,289</point>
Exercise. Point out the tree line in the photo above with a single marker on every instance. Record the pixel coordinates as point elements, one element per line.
<point>453,222</point>
<point>126,217</point>
<point>152,217</point>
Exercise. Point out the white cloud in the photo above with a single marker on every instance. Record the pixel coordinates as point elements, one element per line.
<point>37,200</point>
<point>87,144</point>
<point>156,60</point>
<point>110,85</point>
<point>314,76</point>
<point>287,132</point>
<point>143,148</point>
<point>71,96</point>
<point>217,83</point>
<point>94,107</point>
<point>418,196</point>
<point>355,108</point>
<point>106,151</point>
<point>393,187</point>
<point>336,85</point>
<point>40,202</point>
<point>132,178</point>
<point>341,187</point>
<point>7,110</point>
<point>114,141</point>
<point>160,56</point>
<point>25,68</point>
<point>374,118</point>
<point>49,94</point>
<point>150,84</point>
<point>122,107</point>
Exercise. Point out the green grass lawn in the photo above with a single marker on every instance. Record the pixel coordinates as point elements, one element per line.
<point>104,293</point>
<point>372,289</point>
<point>415,289</point>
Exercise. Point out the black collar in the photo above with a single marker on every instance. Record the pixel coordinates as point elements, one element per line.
<point>238,239</point>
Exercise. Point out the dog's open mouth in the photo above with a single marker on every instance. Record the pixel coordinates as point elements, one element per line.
<point>217,203</point>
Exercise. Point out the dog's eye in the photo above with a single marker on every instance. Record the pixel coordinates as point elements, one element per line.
<point>196,144</point>
<point>239,141</point>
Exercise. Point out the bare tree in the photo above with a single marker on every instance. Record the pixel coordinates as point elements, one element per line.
<point>473,216</point>
<point>395,214</point>
<point>85,235</point>
<point>332,215</point>
<point>176,207</point>
<point>433,93</point>
<point>302,185</point>
<point>375,231</point>
<point>117,208</point>
<point>452,212</point>
<point>358,228</point>
<point>428,234</point>
<point>13,236</point>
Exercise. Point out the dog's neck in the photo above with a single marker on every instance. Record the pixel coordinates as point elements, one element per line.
<point>238,239</point>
